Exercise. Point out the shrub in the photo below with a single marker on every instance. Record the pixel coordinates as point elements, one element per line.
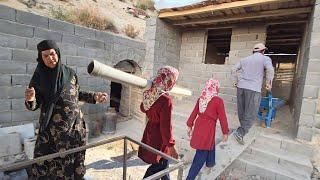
<point>130,31</point>
<point>91,17</point>
<point>61,14</point>
<point>145,4</point>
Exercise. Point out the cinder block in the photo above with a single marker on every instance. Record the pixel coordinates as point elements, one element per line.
<point>308,107</point>
<point>24,55</point>
<point>314,66</point>
<point>240,30</point>
<point>310,91</point>
<point>48,34</point>
<point>317,121</point>
<point>78,61</point>
<point>76,40</point>
<point>5,53</point>
<point>314,52</point>
<point>82,71</point>
<point>5,105</point>
<point>68,49</point>
<point>9,27</point>
<point>119,47</point>
<point>85,52</point>
<point>32,19</point>
<point>18,104</point>
<point>306,120</point>
<point>16,92</point>
<point>315,39</point>
<point>304,133</point>
<point>19,79</point>
<point>32,43</point>
<point>89,43</point>
<point>29,145</point>
<point>85,32</point>
<point>106,37</point>
<point>25,130</point>
<point>7,13</point>
<point>61,26</point>
<point>11,67</point>
<point>5,80</point>
<point>5,117</point>
<point>12,41</point>
<point>24,115</point>
<point>10,144</point>
<point>30,68</point>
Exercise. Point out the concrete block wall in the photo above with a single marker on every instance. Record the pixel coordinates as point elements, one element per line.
<point>243,39</point>
<point>163,47</point>
<point>194,72</point>
<point>309,115</point>
<point>19,34</point>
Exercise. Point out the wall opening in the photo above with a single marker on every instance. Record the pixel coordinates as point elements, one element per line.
<point>218,46</point>
<point>118,90</point>
<point>284,42</point>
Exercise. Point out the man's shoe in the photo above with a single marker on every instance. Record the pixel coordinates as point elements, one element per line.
<point>238,137</point>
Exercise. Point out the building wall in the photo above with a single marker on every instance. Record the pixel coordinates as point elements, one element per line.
<point>194,72</point>
<point>309,115</point>
<point>163,47</point>
<point>19,34</point>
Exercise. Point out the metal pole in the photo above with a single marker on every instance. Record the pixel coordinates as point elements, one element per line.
<point>124,159</point>
<point>160,174</point>
<point>180,173</point>
<point>24,164</point>
<point>153,150</point>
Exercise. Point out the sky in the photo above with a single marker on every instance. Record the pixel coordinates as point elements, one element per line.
<point>161,4</point>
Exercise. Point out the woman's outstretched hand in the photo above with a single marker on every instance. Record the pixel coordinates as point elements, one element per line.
<point>100,97</point>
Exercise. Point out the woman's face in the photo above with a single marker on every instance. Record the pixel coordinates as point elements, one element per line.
<point>50,58</point>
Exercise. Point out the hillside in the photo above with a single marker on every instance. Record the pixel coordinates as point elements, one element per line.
<point>113,10</point>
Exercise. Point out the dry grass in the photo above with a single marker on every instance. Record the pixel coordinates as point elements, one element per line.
<point>85,16</point>
<point>91,17</point>
<point>61,14</point>
<point>130,31</point>
<point>145,4</point>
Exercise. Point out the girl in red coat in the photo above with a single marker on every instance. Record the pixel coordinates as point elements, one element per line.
<point>202,127</point>
<point>157,104</point>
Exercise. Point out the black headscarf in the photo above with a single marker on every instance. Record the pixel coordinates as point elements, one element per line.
<point>49,82</point>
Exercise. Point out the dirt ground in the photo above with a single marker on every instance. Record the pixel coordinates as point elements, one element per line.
<point>113,9</point>
<point>105,163</point>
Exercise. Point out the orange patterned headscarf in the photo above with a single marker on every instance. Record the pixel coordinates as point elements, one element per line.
<point>164,81</point>
<point>211,89</point>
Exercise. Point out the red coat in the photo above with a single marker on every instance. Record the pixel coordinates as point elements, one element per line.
<point>158,131</point>
<point>203,136</point>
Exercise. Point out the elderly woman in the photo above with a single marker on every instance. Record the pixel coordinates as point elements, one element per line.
<point>157,104</point>
<point>54,88</point>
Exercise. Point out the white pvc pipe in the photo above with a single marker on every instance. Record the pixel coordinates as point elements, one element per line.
<point>96,68</point>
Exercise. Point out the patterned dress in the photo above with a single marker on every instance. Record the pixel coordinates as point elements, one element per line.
<point>66,130</point>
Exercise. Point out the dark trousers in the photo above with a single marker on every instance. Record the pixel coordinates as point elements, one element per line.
<point>248,103</point>
<point>201,157</point>
<point>154,168</point>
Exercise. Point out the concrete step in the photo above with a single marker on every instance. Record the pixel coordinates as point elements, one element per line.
<point>267,168</point>
<point>299,161</point>
<point>278,142</point>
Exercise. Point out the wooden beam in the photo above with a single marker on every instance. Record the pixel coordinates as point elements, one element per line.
<point>247,16</point>
<point>230,26</point>
<point>218,7</point>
